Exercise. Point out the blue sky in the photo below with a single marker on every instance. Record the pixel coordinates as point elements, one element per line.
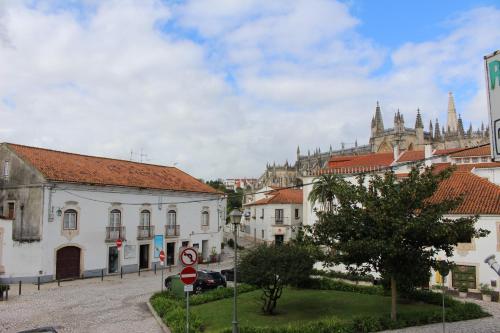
<point>221,87</point>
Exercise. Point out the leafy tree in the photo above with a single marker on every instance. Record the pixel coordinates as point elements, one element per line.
<point>234,198</point>
<point>390,226</point>
<point>272,267</point>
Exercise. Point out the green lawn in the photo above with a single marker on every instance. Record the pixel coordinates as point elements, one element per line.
<point>298,306</point>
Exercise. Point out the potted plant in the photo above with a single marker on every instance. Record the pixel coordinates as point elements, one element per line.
<point>462,291</point>
<point>486,291</point>
<point>213,255</point>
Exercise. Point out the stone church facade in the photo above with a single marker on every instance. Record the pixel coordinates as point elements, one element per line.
<point>381,140</point>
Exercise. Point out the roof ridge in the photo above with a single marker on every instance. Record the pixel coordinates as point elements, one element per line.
<point>91,156</point>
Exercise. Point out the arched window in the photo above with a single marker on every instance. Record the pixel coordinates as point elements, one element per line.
<point>204,218</point>
<point>145,218</point>
<point>172,217</point>
<point>115,218</point>
<point>70,219</point>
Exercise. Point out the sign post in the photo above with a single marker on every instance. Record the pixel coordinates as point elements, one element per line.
<point>188,258</point>
<point>492,68</point>
<point>162,261</point>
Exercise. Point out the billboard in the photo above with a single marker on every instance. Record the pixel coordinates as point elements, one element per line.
<point>492,68</point>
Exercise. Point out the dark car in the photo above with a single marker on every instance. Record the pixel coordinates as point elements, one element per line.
<point>41,330</point>
<point>206,280</point>
<point>229,274</point>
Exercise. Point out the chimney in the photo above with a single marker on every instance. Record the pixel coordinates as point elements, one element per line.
<point>428,155</point>
<point>396,152</point>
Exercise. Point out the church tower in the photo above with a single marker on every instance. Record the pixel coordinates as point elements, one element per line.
<point>377,122</point>
<point>419,129</point>
<point>452,124</point>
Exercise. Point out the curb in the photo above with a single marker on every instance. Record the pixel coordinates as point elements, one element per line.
<point>160,322</point>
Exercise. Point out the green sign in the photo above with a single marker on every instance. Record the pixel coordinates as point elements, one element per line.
<point>494,68</point>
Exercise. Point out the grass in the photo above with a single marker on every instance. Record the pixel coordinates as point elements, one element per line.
<point>298,305</point>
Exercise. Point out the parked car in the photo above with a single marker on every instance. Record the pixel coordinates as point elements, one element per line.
<point>206,280</point>
<point>229,274</point>
<point>41,330</point>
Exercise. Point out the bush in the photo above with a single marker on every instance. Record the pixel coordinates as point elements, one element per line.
<point>329,284</point>
<point>4,287</point>
<point>217,294</point>
<point>344,275</point>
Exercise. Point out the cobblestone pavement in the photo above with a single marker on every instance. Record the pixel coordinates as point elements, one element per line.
<point>485,325</point>
<point>92,305</point>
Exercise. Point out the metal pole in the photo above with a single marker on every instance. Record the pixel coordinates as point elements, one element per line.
<point>102,274</point>
<point>442,291</point>
<point>20,287</point>
<point>187,311</point>
<point>155,268</point>
<point>162,278</point>
<point>235,309</point>
<point>121,272</point>
<point>38,282</point>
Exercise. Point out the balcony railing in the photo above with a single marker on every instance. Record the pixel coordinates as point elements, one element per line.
<point>114,233</point>
<point>172,230</point>
<point>145,231</point>
<point>278,220</point>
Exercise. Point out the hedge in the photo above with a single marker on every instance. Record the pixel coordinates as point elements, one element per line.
<point>329,284</point>
<point>344,275</point>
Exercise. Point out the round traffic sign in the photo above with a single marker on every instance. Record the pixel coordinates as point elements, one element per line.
<point>119,243</point>
<point>162,255</point>
<point>189,256</point>
<point>188,275</point>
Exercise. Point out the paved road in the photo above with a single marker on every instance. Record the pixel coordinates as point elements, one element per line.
<point>486,325</point>
<point>114,305</point>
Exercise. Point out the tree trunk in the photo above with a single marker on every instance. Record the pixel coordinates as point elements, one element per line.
<point>394,297</point>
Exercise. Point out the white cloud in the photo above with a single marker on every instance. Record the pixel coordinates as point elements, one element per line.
<point>301,74</point>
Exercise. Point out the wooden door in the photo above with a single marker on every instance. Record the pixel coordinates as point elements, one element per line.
<point>68,263</point>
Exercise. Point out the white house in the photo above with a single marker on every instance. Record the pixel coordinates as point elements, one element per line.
<point>274,217</point>
<point>62,214</point>
<point>476,178</point>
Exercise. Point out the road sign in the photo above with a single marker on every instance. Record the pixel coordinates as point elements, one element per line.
<point>188,287</point>
<point>189,256</point>
<point>188,275</point>
<point>492,68</point>
<point>119,243</point>
<point>162,256</point>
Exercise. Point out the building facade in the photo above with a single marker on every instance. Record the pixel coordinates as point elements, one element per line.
<point>274,218</point>
<point>62,214</point>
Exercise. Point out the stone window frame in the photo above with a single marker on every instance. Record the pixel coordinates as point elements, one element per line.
<point>111,210</point>
<point>205,217</point>
<point>71,233</point>
<point>142,210</point>
<point>172,209</point>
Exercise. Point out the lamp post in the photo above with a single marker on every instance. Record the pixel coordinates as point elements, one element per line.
<point>235,217</point>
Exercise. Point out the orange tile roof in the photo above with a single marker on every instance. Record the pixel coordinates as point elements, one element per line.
<point>479,151</point>
<point>368,160</point>
<point>412,155</point>
<point>284,196</point>
<point>74,168</point>
<point>446,151</point>
<point>480,195</point>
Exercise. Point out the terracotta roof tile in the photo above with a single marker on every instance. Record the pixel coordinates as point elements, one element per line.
<point>480,195</point>
<point>355,161</point>
<point>411,155</point>
<point>284,196</point>
<point>74,168</point>
<point>479,151</point>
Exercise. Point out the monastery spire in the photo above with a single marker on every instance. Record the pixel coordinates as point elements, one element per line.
<point>418,121</point>
<point>379,123</point>
<point>452,123</point>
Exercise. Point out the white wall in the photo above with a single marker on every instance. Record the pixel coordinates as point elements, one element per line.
<point>27,259</point>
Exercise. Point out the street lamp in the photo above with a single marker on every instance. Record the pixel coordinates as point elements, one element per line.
<point>235,217</point>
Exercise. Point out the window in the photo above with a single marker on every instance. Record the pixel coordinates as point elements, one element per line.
<point>204,218</point>
<point>297,214</point>
<point>475,160</point>
<point>145,218</point>
<point>484,159</point>
<point>464,276</point>
<point>262,233</point>
<point>115,218</point>
<point>171,217</point>
<point>262,214</point>
<point>443,159</point>
<point>6,169</point>
<point>278,216</point>
<point>466,160</point>
<point>70,219</point>
<point>11,211</point>
<point>185,243</point>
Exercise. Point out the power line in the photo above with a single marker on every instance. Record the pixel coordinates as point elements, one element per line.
<point>227,196</point>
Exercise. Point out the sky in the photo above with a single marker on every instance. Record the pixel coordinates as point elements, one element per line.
<point>219,88</point>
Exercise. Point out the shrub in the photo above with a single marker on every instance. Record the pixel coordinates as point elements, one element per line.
<point>4,287</point>
<point>344,275</point>
<point>329,284</point>
<point>216,294</point>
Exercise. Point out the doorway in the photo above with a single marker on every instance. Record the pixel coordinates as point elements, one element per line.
<point>144,256</point>
<point>113,259</point>
<point>68,263</point>
<point>279,239</point>
<point>171,254</point>
<point>204,249</point>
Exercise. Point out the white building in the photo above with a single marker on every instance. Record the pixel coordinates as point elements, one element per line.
<point>476,178</point>
<point>62,214</point>
<point>274,217</point>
